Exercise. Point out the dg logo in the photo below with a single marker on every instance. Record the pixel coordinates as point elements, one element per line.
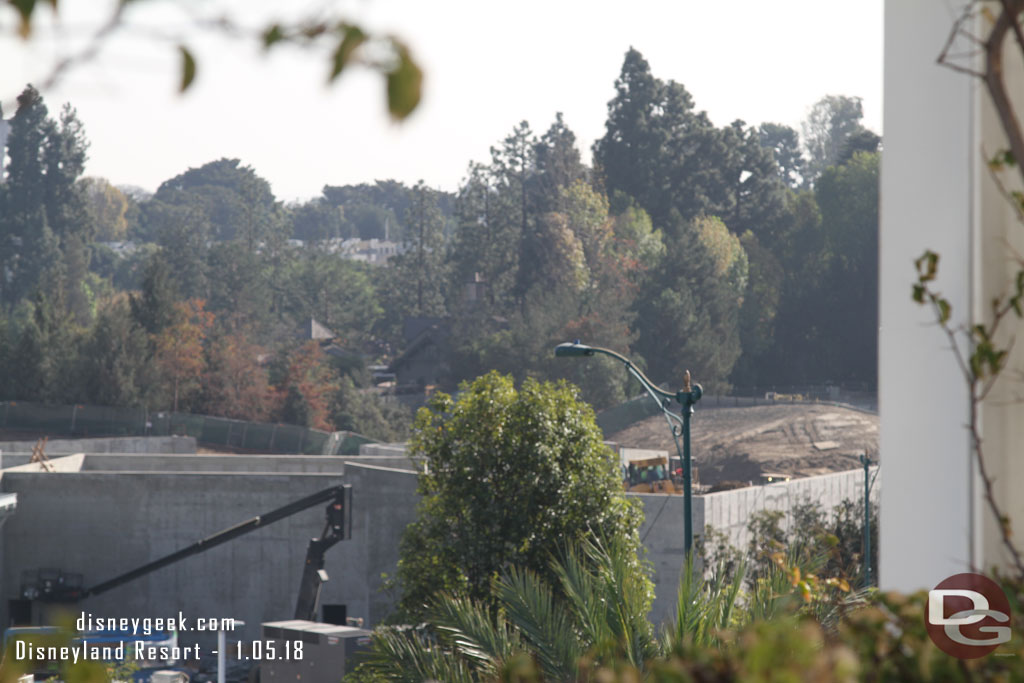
<point>968,616</point>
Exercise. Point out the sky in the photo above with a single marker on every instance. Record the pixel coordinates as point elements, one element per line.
<point>488,65</point>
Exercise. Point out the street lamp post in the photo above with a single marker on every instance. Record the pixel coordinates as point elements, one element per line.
<point>680,424</point>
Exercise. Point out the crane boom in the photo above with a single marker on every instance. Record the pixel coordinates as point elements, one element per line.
<point>339,527</point>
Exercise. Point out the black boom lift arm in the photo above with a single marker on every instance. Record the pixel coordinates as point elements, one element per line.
<point>338,527</point>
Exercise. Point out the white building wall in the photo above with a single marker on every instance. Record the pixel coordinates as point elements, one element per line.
<point>936,194</point>
<point>1000,250</point>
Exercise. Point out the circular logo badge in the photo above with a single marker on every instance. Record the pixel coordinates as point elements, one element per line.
<point>968,616</point>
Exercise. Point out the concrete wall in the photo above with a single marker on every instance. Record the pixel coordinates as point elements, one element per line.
<point>728,511</point>
<point>102,523</point>
<point>121,444</point>
<point>316,464</point>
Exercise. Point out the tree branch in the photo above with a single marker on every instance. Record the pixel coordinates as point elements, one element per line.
<point>1008,20</point>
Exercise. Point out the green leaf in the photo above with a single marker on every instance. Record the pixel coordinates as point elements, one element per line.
<point>404,85</point>
<point>927,266</point>
<point>188,68</point>
<point>1003,157</point>
<point>944,310</point>
<point>975,363</point>
<point>352,38</point>
<point>919,294</point>
<point>1019,198</point>
<point>272,35</point>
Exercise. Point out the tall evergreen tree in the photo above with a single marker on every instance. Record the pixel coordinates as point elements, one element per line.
<point>43,216</point>
<point>558,166</point>
<point>688,315</point>
<point>784,143</point>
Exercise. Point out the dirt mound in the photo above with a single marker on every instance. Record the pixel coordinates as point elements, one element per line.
<point>740,444</point>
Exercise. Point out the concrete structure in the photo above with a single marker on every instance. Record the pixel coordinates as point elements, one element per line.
<point>8,503</point>
<point>101,515</point>
<point>120,444</point>
<point>937,193</point>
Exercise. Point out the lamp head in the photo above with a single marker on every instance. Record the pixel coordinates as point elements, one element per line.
<point>573,349</point>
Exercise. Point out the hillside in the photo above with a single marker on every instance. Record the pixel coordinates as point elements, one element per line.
<point>739,444</point>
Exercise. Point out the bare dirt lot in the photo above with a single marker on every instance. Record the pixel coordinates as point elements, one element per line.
<point>740,444</point>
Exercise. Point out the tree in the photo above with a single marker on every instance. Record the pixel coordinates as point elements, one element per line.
<point>558,165</point>
<point>153,307</point>
<point>831,121</point>
<point>510,477</point>
<point>365,412</point>
<point>753,193</point>
<point>109,207</point>
<point>307,388</point>
<point>234,383</point>
<point>339,293</point>
<point>784,143</point>
<point>179,349</point>
<point>420,272</point>
<point>183,232</point>
<point>237,203</point>
<point>848,198</point>
<point>44,223</point>
<point>316,220</point>
<point>240,285</point>
<point>758,311</point>
<point>861,141</point>
<point>45,360</point>
<point>661,152</point>
<point>688,313</point>
<point>484,249</point>
<point>117,364</point>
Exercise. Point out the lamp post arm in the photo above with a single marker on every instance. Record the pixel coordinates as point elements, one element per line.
<point>653,389</point>
<point>669,415</point>
<point>686,397</point>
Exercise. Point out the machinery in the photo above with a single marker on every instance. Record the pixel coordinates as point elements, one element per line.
<point>55,586</point>
<point>650,475</point>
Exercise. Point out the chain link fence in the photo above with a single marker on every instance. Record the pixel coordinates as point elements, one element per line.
<point>212,432</point>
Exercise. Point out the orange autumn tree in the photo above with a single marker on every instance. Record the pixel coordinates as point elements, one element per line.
<point>308,387</point>
<point>235,383</point>
<point>179,348</point>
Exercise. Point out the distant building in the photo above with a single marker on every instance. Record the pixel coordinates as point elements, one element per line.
<point>426,359</point>
<point>123,248</point>
<point>373,251</point>
<point>314,330</point>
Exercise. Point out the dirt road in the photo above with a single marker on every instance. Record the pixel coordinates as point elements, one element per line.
<point>739,444</point>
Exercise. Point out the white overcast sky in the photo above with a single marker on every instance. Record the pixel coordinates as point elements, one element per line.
<point>488,66</point>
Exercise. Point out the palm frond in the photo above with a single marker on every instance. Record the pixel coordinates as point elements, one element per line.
<point>473,632</point>
<point>703,608</point>
<point>546,626</point>
<point>411,656</point>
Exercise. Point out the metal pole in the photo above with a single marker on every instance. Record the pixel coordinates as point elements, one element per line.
<point>687,479</point>
<point>222,658</point>
<point>866,461</point>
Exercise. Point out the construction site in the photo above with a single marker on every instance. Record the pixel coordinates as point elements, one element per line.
<point>141,527</point>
